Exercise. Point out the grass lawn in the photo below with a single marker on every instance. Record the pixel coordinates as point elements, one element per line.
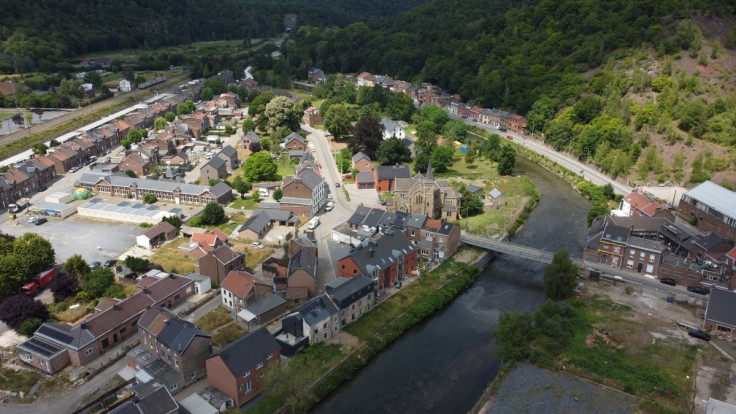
<point>5,113</point>
<point>73,315</point>
<point>246,204</point>
<point>227,334</point>
<point>214,319</point>
<point>253,255</point>
<point>168,257</point>
<point>21,381</point>
<point>285,168</point>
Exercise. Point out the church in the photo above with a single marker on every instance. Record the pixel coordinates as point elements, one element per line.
<point>422,194</point>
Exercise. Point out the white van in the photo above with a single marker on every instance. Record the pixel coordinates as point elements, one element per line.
<point>263,192</point>
<point>313,223</point>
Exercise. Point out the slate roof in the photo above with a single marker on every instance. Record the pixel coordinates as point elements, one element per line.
<point>303,259</point>
<point>265,304</point>
<point>715,197</point>
<point>229,151</point>
<point>446,228</point>
<point>159,229</point>
<point>416,220</point>
<point>387,172</point>
<point>216,163</point>
<point>256,223</point>
<point>253,137</point>
<point>351,287</point>
<point>389,124</point>
<point>708,242</point>
<point>646,244</point>
<point>121,180</point>
<point>293,136</point>
<point>386,251</point>
<point>495,193</point>
<point>43,348</point>
<point>475,189</point>
<point>317,310</point>
<point>359,215</point>
<point>373,218</point>
<point>359,156</point>
<point>616,233</point>
<point>365,177</point>
<point>407,142</point>
<point>310,179</point>
<point>246,352</point>
<point>721,307</point>
<point>177,334</point>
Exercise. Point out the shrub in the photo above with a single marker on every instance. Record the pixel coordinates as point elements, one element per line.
<point>29,326</point>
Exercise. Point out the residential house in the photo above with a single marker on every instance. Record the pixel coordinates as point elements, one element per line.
<point>136,163</point>
<point>214,169</point>
<point>386,175</point>
<point>230,156</point>
<point>301,277</point>
<point>720,313</point>
<point>157,235</point>
<point>711,207</point>
<point>361,162</point>
<point>307,241</point>
<point>241,288</point>
<point>312,116</point>
<point>64,158</point>
<point>156,399</point>
<point>249,138</point>
<point>274,268</point>
<point>637,204</point>
<point>228,99</point>
<point>435,240</point>
<point>262,221</point>
<point>120,185</point>
<point>353,296</point>
<point>219,262</point>
<point>237,369</point>
<point>180,159</point>
<point>56,344</point>
<point>316,75</point>
<point>422,194</point>
<point>517,123</point>
<point>263,310</point>
<point>316,321</point>
<point>169,345</point>
<point>21,185</point>
<point>294,142</point>
<point>196,125</point>
<point>387,259</point>
<point>304,194</point>
<point>494,200</point>
<point>392,128</point>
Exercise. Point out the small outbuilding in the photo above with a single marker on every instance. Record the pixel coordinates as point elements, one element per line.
<point>494,200</point>
<point>59,198</point>
<point>157,235</point>
<point>202,283</point>
<point>263,310</point>
<point>52,210</point>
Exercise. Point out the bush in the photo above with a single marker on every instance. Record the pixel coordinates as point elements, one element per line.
<point>145,225</point>
<point>29,326</point>
<point>149,199</point>
<point>63,286</point>
<point>136,264</point>
<point>16,309</point>
<point>213,214</point>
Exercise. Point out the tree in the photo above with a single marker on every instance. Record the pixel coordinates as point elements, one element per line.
<point>367,136</point>
<point>126,143</point>
<point>76,266</point>
<point>213,214</point>
<point>149,199</point>
<point>278,194</point>
<point>338,120</point>
<point>29,326</point>
<point>258,104</point>
<point>249,125</point>
<point>136,264</point>
<point>131,173</point>
<point>560,277</point>
<point>241,186</point>
<point>39,148</point>
<point>426,138</point>
<point>134,136</point>
<point>206,94</point>
<point>159,123</point>
<point>260,167</point>
<point>63,286</point>
<point>36,253</point>
<point>186,108</point>
<point>282,112</point>
<point>471,205</point>
<point>255,195</point>
<point>16,309</point>
<point>400,106</point>
<point>254,147</point>
<point>392,151</point>
<point>71,87</point>
<point>170,116</point>
<point>442,158</point>
<point>435,115</point>
<point>507,161</point>
<point>421,161</point>
<point>54,143</point>
<point>455,131</point>
<point>174,221</point>
<point>97,281</point>
<point>513,334</point>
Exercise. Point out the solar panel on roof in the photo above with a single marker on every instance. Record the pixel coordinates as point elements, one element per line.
<point>152,208</point>
<point>95,200</point>
<point>123,204</point>
<point>52,333</point>
<point>138,205</point>
<point>41,348</point>
<point>176,210</point>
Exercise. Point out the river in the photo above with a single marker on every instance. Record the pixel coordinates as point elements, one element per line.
<point>444,364</point>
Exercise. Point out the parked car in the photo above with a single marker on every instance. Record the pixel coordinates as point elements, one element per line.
<point>509,137</point>
<point>131,276</point>
<point>697,333</point>
<point>337,185</point>
<point>95,265</point>
<point>257,245</point>
<point>42,188</point>
<point>668,281</point>
<point>697,289</point>
<point>329,206</point>
<point>39,221</point>
<point>110,262</point>
<point>348,176</point>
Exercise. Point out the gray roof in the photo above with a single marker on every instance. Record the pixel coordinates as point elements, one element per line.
<point>303,259</point>
<point>229,151</point>
<point>425,244</point>
<point>336,283</point>
<point>646,244</point>
<point>389,124</point>
<point>245,353</point>
<point>475,189</point>
<point>373,218</point>
<point>296,153</point>
<point>715,197</point>
<point>159,401</point>
<point>708,242</point>
<point>122,180</point>
<point>39,347</point>
<point>253,137</point>
<point>317,310</point>
<point>446,228</point>
<point>407,142</point>
<point>216,163</point>
<point>616,233</point>
<point>177,334</point>
<point>293,136</point>
<point>310,179</point>
<point>360,155</point>
<point>495,193</point>
<point>416,220</point>
<point>265,304</point>
<point>350,287</point>
<point>359,215</point>
<point>256,223</point>
<point>385,172</point>
<point>385,252</point>
<point>365,177</point>
<point>722,307</point>
<point>69,336</point>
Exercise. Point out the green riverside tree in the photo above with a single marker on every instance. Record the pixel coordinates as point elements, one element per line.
<point>560,277</point>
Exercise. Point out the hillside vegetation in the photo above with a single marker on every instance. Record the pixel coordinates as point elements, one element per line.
<point>633,86</point>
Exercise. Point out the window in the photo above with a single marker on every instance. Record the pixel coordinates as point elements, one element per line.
<point>412,232</point>
<point>616,249</point>
<point>89,351</point>
<point>193,374</point>
<point>269,356</point>
<point>642,255</point>
<point>246,373</point>
<point>325,335</point>
<point>630,264</point>
<point>260,365</point>
<point>176,296</point>
<point>324,325</point>
<point>651,258</point>
<point>632,253</point>
<point>122,330</point>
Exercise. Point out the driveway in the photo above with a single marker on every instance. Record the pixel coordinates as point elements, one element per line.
<point>366,197</point>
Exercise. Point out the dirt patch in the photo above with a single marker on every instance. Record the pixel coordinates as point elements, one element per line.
<point>601,335</point>
<point>344,339</point>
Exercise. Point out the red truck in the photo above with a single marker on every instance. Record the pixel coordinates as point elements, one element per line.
<point>39,281</point>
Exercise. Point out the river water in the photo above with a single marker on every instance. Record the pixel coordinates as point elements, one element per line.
<point>444,364</point>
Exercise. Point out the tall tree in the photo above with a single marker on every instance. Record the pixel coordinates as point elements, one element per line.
<point>260,167</point>
<point>76,266</point>
<point>213,214</point>
<point>97,281</point>
<point>15,309</point>
<point>400,106</point>
<point>338,120</point>
<point>507,161</point>
<point>159,123</point>
<point>282,112</point>
<point>513,334</point>
<point>35,252</point>
<point>367,135</point>
<point>392,151</point>
<point>442,158</point>
<point>63,286</point>
<point>560,277</point>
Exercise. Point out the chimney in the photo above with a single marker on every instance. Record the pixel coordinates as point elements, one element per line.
<point>83,325</point>
<point>146,291</point>
<point>371,251</point>
<point>116,308</point>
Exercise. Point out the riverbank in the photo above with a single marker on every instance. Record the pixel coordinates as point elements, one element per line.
<point>419,299</point>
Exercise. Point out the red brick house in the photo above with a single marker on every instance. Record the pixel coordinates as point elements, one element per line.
<point>637,204</point>
<point>386,175</point>
<point>389,259</point>
<point>237,369</point>
<point>219,262</point>
<point>294,142</point>
<point>301,276</point>
<point>312,116</point>
<point>361,162</point>
<point>136,163</point>
<point>241,288</point>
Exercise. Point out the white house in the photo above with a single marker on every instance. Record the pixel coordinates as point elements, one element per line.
<point>124,85</point>
<point>392,129</point>
<point>202,283</point>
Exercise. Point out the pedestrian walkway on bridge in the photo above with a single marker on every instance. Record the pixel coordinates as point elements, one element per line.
<point>513,249</point>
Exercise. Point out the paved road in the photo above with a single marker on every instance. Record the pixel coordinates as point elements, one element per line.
<point>70,401</point>
<point>342,211</point>
<point>590,173</point>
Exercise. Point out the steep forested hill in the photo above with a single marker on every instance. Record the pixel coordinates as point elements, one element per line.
<point>636,86</point>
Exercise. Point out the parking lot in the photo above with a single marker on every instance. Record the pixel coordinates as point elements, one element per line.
<point>93,240</point>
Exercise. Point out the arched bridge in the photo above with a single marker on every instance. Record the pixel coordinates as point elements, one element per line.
<point>518,250</point>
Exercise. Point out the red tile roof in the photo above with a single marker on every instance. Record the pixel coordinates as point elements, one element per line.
<point>240,283</point>
<point>732,253</point>
<point>643,204</point>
